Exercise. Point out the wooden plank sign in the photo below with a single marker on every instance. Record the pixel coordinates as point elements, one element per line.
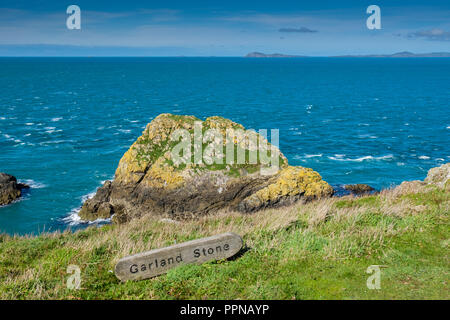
<point>155,262</point>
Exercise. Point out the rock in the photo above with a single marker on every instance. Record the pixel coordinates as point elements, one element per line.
<point>289,186</point>
<point>150,179</point>
<point>359,189</point>
<point>439,176</point>
<point>409,187</point>
<point>10,190</point>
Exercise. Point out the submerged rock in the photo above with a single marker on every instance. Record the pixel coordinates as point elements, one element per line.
<point>10,190</point>
<point>150,179</point>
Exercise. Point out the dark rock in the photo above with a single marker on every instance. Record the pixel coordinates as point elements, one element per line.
<point>359,189</point>
<point>10,190</point>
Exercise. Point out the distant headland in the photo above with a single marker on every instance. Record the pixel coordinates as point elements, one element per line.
<point>272,55</point>
<point>403,54</point>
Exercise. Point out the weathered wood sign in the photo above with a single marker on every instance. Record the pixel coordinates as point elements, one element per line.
<point>155,262</point>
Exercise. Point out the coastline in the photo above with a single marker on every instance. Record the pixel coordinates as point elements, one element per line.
<point>335,235</point>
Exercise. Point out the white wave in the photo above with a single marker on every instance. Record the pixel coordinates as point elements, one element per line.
<point>56,119</point>
<point>360,159</point>
<point>109,179</point>
<point>124,130</point>
<point>12,138</point>
<point>33,184</point>
<point>44,143</point>
<point>448,127</point>
<point>50,131</point>
<point>313,155</point>
<point>367,136</point>
<point>73,219</point>
<point>88,196</point>
<point>29,123</point>
<point>424,158</point>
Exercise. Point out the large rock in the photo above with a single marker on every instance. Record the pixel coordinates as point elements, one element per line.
<point>150,180</point>
<point>10,190</point>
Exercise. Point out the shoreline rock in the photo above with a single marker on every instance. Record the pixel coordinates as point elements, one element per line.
<point>147,180</point>
<point>437,176</point>
<point>10,189</point>
<point>359,189</point>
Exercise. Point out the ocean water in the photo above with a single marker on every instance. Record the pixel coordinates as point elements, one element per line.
<point>66,122</point>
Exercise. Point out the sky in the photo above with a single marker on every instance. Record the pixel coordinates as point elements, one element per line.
<point>222,28</point>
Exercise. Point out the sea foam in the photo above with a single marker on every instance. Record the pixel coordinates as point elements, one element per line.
<point>360,159</point>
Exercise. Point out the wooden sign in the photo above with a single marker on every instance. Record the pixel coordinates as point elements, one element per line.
<point>155,262</point>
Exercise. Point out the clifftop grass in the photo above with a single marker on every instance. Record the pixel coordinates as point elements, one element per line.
<point>320,250</point>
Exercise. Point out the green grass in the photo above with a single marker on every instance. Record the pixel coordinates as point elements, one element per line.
<point>320,250</point>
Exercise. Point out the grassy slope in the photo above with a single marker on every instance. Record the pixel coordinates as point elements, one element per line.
<point>320,250</point>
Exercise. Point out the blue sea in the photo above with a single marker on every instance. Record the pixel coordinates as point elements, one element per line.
<point>66,122</point>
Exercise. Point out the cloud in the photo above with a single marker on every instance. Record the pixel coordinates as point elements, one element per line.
<point>299,30</point>
<point>433,34</point>
<point>266,19</point>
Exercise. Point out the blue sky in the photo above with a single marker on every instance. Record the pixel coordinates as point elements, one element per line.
<point>222,28</point>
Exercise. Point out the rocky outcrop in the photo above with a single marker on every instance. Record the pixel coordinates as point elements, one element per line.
<point>10,190</point>
<point>439,176</point>
<point>150,179</point>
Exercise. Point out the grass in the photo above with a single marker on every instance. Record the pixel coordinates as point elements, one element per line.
<point>319,250</point>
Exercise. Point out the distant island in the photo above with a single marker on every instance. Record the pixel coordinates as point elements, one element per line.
<point>404,54</point>
<point>272,55</point>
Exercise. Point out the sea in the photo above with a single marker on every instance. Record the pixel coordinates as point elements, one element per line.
<point>66,122</point>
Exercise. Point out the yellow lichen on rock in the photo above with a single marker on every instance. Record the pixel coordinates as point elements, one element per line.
<point>222,124</point>
<point>129,166</point>
<point>292,181</point>
<point>150,146</point>
<point>161,175</point>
